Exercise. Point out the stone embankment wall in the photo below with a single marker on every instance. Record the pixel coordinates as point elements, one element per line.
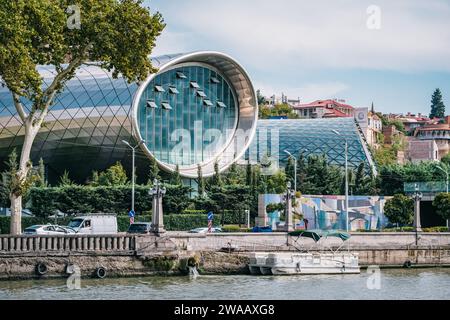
<point>173,253</point>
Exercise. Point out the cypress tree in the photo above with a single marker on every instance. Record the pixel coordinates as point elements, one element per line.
<point>437,105</point>
<point>216,179</point>
<point>153,171</point>
<point>175,177</point>
<point>200,181</point>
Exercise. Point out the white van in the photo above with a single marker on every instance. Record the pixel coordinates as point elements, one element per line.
<point>94,224</point>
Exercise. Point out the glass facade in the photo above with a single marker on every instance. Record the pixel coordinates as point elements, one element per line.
<point>85,125</point>
<point>207,93</point>
<point>311,136</point>
<point>182,111</point>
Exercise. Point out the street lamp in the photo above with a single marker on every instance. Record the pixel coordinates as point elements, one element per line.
<point>446,185</point>
<point>133,169</point>
<point>295,168</point>
<point>346,176</point>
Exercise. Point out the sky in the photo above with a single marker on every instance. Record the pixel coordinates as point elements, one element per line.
<point>391,53</point>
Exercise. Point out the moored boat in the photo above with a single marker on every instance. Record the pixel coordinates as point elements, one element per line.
<point>315,262</point>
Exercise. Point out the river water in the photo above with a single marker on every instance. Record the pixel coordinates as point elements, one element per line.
<point>390,284</point>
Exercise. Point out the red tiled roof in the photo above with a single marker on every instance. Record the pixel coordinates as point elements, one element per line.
<point>334,113</point>
<point>432,127</point>
<point>323,103</point>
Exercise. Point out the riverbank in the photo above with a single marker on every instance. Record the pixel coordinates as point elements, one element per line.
<point>173,253</point>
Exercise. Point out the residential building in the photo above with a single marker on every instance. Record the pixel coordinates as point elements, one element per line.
<point>330,108</point>
<point>437,132</point>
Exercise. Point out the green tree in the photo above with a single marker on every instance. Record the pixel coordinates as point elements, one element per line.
<point>176,199</point>
<point>248,174</point>
<point>40,175</point>
<point>113,176</point>
<point>200,181</point>
<point>175,177</point>
<point>118,34</point>
<point>446,159</point>
<point>283,109</point>
<point>153,172</point>
<point>442,204</point>
<point>233,175</point>
<point>400,209</point>
<point>260,97</point>
<point>65,180</point>
<point>320,177</point>
<point>437,105</point>
<point>277,183</point>
<point>216,179</point>
<point>94,180</point>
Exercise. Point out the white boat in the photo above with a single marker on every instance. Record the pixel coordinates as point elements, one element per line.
<point>316,262</point>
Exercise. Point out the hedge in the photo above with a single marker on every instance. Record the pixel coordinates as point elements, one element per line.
<point>173,222</point>
<point>109,199</point>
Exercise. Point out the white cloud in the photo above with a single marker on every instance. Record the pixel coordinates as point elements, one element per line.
<point>414,35</point>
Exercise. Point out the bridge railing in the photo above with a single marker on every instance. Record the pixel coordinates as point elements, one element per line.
<point>61,243</point>
<point>425,187</point>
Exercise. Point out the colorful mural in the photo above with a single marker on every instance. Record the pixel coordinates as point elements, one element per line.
<point>327,212</point>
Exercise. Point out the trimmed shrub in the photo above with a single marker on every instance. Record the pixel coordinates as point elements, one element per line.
<point>231,228</point>
<point>107,199</point>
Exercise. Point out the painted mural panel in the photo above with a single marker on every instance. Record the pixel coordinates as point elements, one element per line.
<point>328,212</point>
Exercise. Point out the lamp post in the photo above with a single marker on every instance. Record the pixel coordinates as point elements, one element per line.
<point>295,168</point>
<point>346,176</point>
<point>417,197</point>
<point>446,186</point>
<point>133,169</point>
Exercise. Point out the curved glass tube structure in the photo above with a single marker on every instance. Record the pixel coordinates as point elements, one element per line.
<point>206,95</point>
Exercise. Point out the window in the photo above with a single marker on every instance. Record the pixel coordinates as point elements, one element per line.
<point>166,106</point>
<point>181,75</point>
<point>207,102</point>
<point>221,104</point>
<point>194,85</point>
<point>151,104</point>
<point>215,80</point>
<point>201,94</point>
<point>159,88</point>
<point>173,90</point>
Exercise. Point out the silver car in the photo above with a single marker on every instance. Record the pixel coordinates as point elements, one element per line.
<point>47,229</point>
<point>205,230</point>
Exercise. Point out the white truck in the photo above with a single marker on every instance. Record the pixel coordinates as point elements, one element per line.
<point>94,224</point>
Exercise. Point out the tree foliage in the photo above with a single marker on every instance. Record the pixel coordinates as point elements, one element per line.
<point>118,34</point>
<point>437,105</point>
<point>442,204</point>
<point>113,176</point>
<point>285,110</point>
<point>400,209</point>
<point>393,177</point>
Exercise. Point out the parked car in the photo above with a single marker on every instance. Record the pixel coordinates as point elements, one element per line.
<point>140,227</point>
<point>205,230</point>
<point>262,229</point>
<point>48,229</point>
<point>94,224</point>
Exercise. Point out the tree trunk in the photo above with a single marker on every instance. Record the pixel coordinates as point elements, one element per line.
<point>16,214</point>
<point>16,195</point>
